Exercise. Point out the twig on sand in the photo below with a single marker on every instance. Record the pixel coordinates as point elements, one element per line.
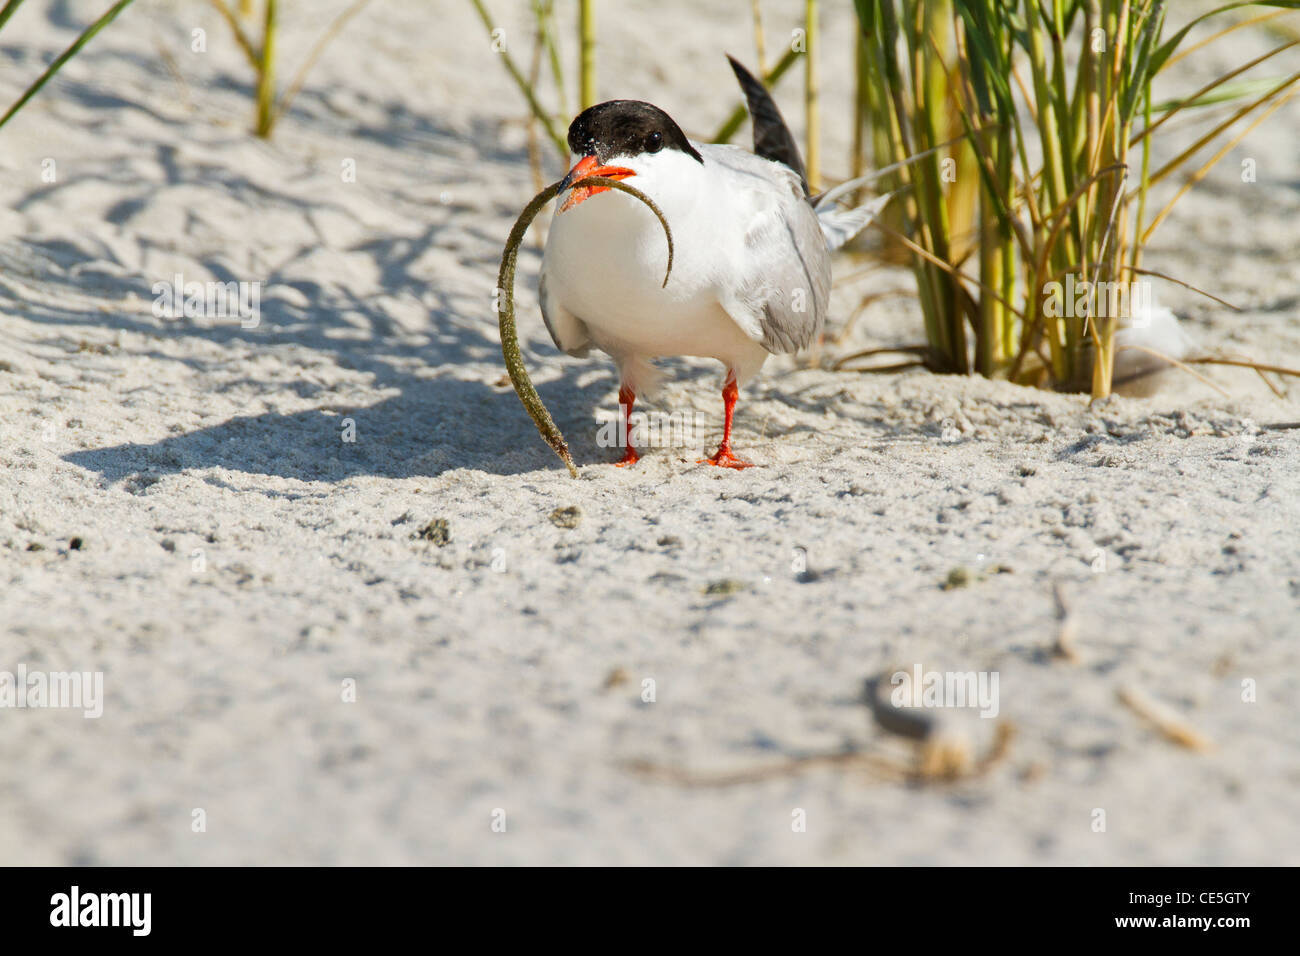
<point>506,306</point>
<point>1259,368</point>
<point>941,752</point>
<point>923,353</point>
<point>1164,719</point>
<point>791,767</point>
<point>931,764</point>
<point>300,78</point>
<point>1064,644</point>
<point>1177,364</point>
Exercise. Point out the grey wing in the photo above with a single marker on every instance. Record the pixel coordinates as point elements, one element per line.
<point>784,290</point>
<point>568,332</point>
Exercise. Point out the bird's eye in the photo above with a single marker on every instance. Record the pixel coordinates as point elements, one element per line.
<point>656,142</point>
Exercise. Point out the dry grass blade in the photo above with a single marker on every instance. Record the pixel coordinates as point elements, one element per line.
<point>1200,95</point>
<point>237,31</point>
<point>922,351</point>
<point>1185,285</point>
<point>1244,363</point>
<point>1067,629</point>
<point>300,78</point>
<point>1201,173</point>
<point>946,267</point>
<point>1164,719</point>
<point>1259,18</point>
<point>1177,364</point>
<point>931,763</point>
<point>791,767</point>
<point>1177,163</point>
<point>521,81</point>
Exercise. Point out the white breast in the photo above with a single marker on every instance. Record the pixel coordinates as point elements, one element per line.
<point>605,261</point>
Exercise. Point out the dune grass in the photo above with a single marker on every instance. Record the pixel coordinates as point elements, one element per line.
<point>1020,133</point>
<point>241,18</point>
<point>1035,121</point>
<point>554,119</point>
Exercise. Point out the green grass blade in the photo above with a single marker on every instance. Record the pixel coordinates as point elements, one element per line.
<point>86,36</point>
<point>1223,93</point>
<point>266,71</point>
<point>9,10</point>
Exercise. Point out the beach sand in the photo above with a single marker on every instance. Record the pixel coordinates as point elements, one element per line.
<point>391,649</point>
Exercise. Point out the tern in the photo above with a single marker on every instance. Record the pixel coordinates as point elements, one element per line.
<point>752,265</point>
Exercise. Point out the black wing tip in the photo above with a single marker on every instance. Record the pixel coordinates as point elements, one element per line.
<point>749,83</point>
<point>738,68</point>
<point>772,137</point>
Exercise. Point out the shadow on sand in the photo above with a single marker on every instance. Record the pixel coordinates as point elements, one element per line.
<point>437,404</point>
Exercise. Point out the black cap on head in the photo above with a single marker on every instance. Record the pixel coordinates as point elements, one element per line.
<point>626,128</point>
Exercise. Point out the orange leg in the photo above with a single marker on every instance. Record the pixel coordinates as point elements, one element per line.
<point>724,458</point>
<point>625,399</point>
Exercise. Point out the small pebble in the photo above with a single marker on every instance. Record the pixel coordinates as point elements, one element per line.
<point>957,578</point>
<point>437,531</point>
<point>569,517</point>
<point>724,587</point>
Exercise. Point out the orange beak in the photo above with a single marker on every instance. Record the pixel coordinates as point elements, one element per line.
<point>589,166</point>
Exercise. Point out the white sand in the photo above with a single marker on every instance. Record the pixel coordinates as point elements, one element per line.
<point>481,665</point>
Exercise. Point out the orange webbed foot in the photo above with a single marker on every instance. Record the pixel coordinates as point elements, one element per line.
<point>725,459</point>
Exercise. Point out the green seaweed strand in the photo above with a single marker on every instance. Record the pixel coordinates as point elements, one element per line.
<point>532,402</point>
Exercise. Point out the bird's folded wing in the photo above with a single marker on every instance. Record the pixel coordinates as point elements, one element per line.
<point>568,332</point>
<point>781,287</point>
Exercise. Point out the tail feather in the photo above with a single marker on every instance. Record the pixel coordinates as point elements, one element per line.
<point>835,193</point>
<point>640,374</point>
<point>774,141</point>
<point>841,225</point>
